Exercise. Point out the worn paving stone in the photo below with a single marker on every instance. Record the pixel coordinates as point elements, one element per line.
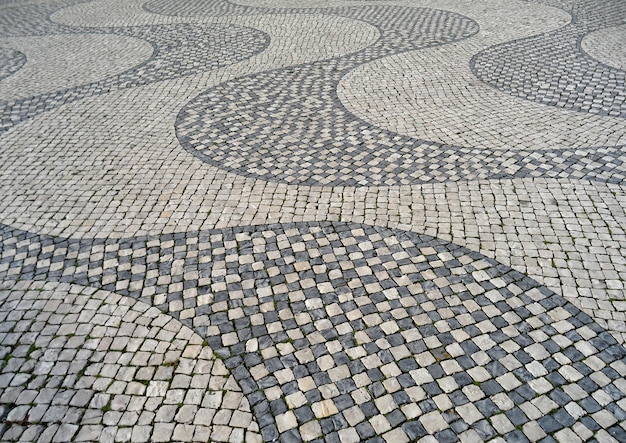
<point>97,363</point>
<point>176,53</point>
<point>322,221</point>
<point>569,77</point>
<point>68,199</point>
<point>316,319</point>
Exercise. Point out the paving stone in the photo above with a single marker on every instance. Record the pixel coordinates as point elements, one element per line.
<point>581,69</point>
<point>95,413</point>
<point>258,221</point>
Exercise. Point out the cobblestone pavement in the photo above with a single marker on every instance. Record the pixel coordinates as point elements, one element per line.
<point>343,220</point>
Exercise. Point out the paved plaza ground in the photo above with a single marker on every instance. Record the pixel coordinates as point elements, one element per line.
<point>292,220</point>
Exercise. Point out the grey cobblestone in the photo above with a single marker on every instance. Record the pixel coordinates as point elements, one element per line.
<point>333,220</point>
<point>11,61</point>
<point>176,54</point>
<point>569,77</point>
<point>110,407</point>
<point>375,290</point>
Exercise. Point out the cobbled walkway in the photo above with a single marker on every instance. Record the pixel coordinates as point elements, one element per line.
<point>329,221</point>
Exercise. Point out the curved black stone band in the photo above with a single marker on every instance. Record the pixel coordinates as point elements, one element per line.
<point>332,321</point>
<point>552,69</point>
<point>180,50</point>
<point>11,61</point>
<point>288,125</point>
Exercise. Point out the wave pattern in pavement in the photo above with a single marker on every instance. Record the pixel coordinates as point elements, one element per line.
<point>222,325</point>
<point>552,69</point>
<point>337,330</point>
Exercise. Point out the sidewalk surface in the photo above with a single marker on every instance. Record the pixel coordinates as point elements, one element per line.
<point>286,220</point>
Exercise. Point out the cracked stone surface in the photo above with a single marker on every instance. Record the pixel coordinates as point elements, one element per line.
<point>344,220</point>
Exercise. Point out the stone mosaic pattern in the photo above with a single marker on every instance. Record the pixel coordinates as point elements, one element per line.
<point>180,50</point>
<point>553,70</point>
<point>32,18</point>
<point>70,60</point>
<point>81,364</point>
<point>605,46</point>
<point>246,228</point>
<point>10,62</point>
<point>237,125</point>
<point>349,331</point>
<point>396,97</point>
<point>302,134</point>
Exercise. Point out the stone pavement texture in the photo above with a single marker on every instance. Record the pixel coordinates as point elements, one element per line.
<point>342,220</point>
